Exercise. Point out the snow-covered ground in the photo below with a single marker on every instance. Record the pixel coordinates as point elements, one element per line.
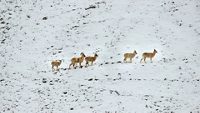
<point>34,32</point>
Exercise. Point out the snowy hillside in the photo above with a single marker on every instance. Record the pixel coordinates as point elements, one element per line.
<point>35,32</point>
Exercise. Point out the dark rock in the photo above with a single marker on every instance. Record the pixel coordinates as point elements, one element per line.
<point>3,22</point>
<point>44,81</point>
<point>106,62</point>
<point>90,79</point>
<point>44,18</point>
<point>71,108</point>
<point>90,7</point>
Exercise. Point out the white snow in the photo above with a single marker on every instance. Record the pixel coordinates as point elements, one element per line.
<point>34,32</point>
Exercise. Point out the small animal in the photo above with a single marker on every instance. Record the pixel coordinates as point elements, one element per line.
<point>148,55</point>
<point>90,59</point>
<point>76,60</point>
<point>129,56</point>
<point>56,63</point>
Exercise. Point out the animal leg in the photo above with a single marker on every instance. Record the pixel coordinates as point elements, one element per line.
<point>70,65</point>
<point>87,64</point>
<point>92,63</point>
<point>52,68</point>
<point>74,66</point>
<point>145,60</point>
<point>141,60</point>
<point>131,60</point>
<point>80,65</point>
<point>57,68</point>
<point>124,59</point>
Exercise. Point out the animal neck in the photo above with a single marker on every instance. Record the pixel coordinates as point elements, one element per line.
<point>95,57</point>
<point>154,53</point>
<point>82,57</point>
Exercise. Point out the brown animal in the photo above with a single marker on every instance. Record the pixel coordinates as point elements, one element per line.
<point>56,63</point>
<point>90,59</point>
<point>76,60</point>
<point>129,56</point>
<point>148,55</point>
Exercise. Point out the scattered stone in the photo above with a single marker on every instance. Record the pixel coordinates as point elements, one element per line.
<point>28,16</point>
<point>74,27</point>
<point>51,83</point>
<point>71,108</point>
<point>44,18</point>
<point>90,7</point>
<point>106,62</point>
<point>44,81</point>
<point>3,22</point>
<point>90,79</point>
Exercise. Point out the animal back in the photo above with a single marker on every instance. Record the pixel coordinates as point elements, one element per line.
<point>148,55</point>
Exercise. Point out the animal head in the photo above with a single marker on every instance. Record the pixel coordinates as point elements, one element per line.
<point>60,61</point>
<point>82,54</point>
<point>135,52</point>
<point>155,51</point>
<point>95,55</point>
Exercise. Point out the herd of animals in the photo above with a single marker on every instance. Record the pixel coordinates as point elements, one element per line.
<point>90,59</point>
